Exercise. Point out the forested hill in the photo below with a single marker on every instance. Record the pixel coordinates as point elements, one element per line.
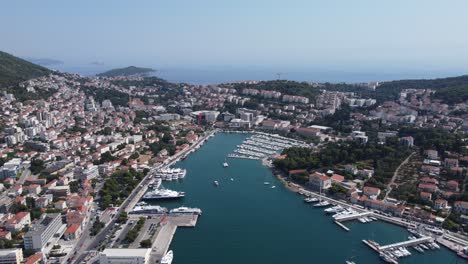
<point>128,71</point>
<point>285,87</point>
<point>14,70</point>
<point>450,90</point>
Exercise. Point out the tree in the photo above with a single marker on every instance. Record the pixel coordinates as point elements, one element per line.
<point>146,243</point>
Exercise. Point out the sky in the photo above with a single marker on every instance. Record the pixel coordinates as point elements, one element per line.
<point>335,35</point>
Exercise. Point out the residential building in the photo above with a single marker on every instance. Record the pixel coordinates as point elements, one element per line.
<point>319,181</point>
<point>42,231</point>
<point>11,256</point>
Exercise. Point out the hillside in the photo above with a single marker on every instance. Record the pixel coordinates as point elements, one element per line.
<point>132,70</point>
<point>14,70</point>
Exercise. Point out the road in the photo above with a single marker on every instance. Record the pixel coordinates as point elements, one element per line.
<point>86,243</point>
<point>395,174</point>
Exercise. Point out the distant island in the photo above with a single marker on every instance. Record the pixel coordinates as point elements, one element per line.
<point>128,71</point>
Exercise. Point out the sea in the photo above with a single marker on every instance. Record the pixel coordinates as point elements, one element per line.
<point>225,74</point>
<point>246,221</point>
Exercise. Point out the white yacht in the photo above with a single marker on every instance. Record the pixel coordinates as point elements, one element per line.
<point>334,209</point>
<point>311,200</point>
<point>148,209</point>
<point>322,204</point>
<point>167,259</point>
<point>186,210</point>
<point>225,164</point>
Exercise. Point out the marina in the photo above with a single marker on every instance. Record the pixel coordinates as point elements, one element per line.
<point>228,221</point>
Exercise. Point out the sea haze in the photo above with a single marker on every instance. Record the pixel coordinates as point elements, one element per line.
<point>213,75</point>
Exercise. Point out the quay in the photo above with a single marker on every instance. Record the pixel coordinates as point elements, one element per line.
<point>342,226</point>
<point>353,216</point>
<point>411,242</point>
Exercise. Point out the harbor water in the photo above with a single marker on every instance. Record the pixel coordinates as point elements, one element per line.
<point>246,221</point>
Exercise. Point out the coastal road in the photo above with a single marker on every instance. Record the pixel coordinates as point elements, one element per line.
<point>89,243</point>
<point>395,174</point>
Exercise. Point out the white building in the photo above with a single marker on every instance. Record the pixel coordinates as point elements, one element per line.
<point>125,256</point>
<point>11,256</point>
<point>41,232</point>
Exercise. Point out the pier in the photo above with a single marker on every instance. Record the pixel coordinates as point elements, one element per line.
<point>352,217</point>
<point>412,242</point>
<point>342,226</point>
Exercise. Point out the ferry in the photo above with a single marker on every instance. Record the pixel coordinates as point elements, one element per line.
<point>167,259</point>
<point>148,209</point>
<point>163,194</point>
<point>186,210</point>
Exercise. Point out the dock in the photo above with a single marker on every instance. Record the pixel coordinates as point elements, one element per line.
<point>342,226</point>
<point>352,217</point>
<point>411,242</point>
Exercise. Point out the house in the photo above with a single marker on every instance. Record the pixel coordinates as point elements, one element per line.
<point>37,258</point>
<point>351,169</point>
<point>371,192</point>
<point>432,154</point>
<point>336,178</point>
<point>5,235</point>
<point>319,181</point>
<point>41,202</point>
<point>426,196</point>
<point>431,170</point>
<point>61,205</point>
<point>432,188</point>
<point>452,186</point>
<point>365,173</point>
<point>407,141</point>
<point>461,207</point>
<point>450,163</point>
<point>427,180</point>
<point>34,189</point>
<point>19,221</point>
<point>72,232</point>
<point>440,204</point>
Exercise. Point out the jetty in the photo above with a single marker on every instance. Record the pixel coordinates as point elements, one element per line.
<point>411,242</point>
<point>353,216</point>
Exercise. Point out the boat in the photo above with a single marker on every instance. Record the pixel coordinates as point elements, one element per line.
<point>350,262</point>
<point>334,209</point>
<point>435,245</point>
<point>163,194</point>
<point>311,200</point>
<point>167,259</point>
<point>386,258</point>
<point>225,164</point>
<point>186,210</point>
<point>216,183</point>
<point>148,209</point>
<point>232,179</point>
<point>419,249</point>
<point>266,183</point>
<point>322,204</point>
<point>424,246</point>
<point>273,187</point>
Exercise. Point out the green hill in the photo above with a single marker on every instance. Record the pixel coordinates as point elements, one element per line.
<point>14,70</point>
<point>128,71</point>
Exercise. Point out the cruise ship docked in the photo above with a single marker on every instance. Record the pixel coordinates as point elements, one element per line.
<point>169,174</point>
<point>163,194</point>
<point>186,210</point>
<point>148,209</point>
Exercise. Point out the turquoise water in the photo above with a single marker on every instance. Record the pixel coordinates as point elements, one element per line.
<point>245,221</point>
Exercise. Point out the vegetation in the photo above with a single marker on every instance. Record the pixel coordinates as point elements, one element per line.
<point>452,95</point>
<point>37,165</point>
<point>383,158</point>
<point>117,98</point>
<point>96,228</point>
<point>146,243</point>
<point>14,70</point>
<point>133,233</point>
<point>118,187</point>
<point>285,87</point>
<point>128,71</point>
<point>122,218</point>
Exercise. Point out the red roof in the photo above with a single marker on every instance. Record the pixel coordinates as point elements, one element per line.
<point>337,177</point>
<point>72,229</point>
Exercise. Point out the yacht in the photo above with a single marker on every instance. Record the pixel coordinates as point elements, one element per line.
<point>419,249</point>
<point>266,183</point>
<point>424,246</point>
<point>350,262</point>
<point>225,164</point>
<point>232,179</point>
<point>273,187</point>
<point>334,209</point>
<point>322,204</point>
<point>216,183</point>
<point>163,194</point>
<point>386,258</point>
<point>167,259</point>
<point>311,200</point>
<point>148,209</point>
<point>186,210</point>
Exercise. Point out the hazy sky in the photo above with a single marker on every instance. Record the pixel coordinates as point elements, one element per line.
<point>303,34</point>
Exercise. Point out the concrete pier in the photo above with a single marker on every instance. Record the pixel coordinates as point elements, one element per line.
<point>352,217</point>
<point>342,226</point>
<point>412,242</point>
